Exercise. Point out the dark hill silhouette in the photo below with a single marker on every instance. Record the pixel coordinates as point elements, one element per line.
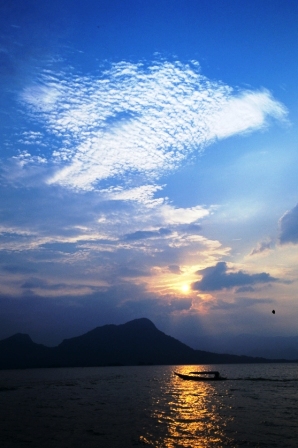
<point>20,352</point>
<point>137,342</point>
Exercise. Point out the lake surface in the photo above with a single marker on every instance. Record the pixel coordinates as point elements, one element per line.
<point>126,407</point>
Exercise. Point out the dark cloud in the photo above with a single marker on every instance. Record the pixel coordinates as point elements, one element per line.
<point>145,234</point>
<point>216,278</point>
<point>288,225</point>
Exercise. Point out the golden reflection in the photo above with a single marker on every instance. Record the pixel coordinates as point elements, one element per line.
<point>190,414</point>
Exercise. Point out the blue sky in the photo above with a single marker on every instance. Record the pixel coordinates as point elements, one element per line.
<point>149,167</point>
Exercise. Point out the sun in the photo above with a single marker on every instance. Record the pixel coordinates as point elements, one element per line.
<point>185,288</point>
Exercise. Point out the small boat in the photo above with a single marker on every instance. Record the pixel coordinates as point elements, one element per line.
<point>201,376</point>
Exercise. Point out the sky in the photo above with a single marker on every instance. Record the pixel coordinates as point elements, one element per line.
<point>149,167</point>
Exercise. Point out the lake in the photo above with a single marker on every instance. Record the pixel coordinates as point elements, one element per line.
<point>149,406</point>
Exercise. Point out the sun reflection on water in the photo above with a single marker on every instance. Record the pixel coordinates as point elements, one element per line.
<point>190,415</point>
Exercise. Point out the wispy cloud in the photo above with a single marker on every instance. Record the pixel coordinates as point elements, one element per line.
<point>137,119</point>
<point>263,246</point>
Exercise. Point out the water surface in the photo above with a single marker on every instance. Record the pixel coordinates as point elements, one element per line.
<point>149,406</point>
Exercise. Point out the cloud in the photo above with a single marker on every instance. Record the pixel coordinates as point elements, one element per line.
<point>143,194</point>
<point>33,283</point>
<point>32,138</point>
<point>288,227</point>
<point>61,247</point>
<point>240,304</point>
<point>136,120</point>
<point>263,246</point>
<point>38,284</point>
<point>245,289</point>
<point>246,112</point>
<point>85,232</point>
<point>145,234</point>
<point>175,269</point>
<point>216,278</point>
<point>175,216</point>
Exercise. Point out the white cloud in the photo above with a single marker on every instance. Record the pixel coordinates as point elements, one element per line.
<point>172,216</point>
<point>245,113</point>
<point>32,138</point>
<point>137,119</point>
<point>143,194</point>
<point>25,158</point>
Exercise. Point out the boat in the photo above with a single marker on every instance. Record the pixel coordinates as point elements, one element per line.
<point>201,376</point>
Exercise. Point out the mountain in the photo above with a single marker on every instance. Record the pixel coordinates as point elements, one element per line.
<point>20,352</point>
<point>137,342</point>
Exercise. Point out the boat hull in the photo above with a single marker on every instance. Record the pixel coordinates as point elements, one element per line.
<point>199,378</point>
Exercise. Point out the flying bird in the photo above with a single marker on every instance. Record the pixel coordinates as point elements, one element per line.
<point>273,311</point>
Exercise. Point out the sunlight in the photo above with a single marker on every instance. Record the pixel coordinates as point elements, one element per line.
<point>185,288</point>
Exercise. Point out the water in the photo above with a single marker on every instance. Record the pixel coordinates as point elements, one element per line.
<point>112,407</point>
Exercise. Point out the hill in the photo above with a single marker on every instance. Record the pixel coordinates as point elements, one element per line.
<point>137,342</point>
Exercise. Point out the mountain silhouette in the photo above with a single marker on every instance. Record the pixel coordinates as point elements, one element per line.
<point>20,352</point>
<point>137,342</point>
